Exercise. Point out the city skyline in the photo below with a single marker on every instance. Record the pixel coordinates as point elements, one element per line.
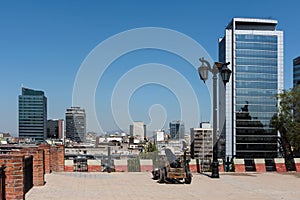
<point>43,47</point>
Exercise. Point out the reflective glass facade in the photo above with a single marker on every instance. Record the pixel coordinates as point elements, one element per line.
<point>32,115</point>
<point>255,50</point>
<point>76,124</point>
<point>296,70</point>
<point>177,129</point>
<point>255,89</point>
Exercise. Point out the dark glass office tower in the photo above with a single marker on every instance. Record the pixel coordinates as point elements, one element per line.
<point>32,115</point>
<point>177,129</point>
<point>296,71</point>
<point>254,48</point>
<point>76,124</point>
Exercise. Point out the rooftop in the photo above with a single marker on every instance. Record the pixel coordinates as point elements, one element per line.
<point>253,23</point>
<point>125,186</point>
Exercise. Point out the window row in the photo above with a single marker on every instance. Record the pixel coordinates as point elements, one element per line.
<point>256,92</point>
<point>253,123</point>
<point>256,61</point>
<point>260,100</point>
<point>296,72</point>
<point>256,69</point>
<point>255,131</point>
<point>256,76</point>
<point>256,84</point>
<point>260,116</point>
<point>257,108</point>
<point>256,38</point>
<point>264,146</point>
<point>255,139</point>
<point>256,54</point>
<point>256,46</point>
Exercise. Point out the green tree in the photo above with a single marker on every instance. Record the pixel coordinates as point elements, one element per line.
<point>150,147</point>
<point>287,123</point>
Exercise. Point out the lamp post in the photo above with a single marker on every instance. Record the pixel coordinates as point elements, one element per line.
<point>203,70</point>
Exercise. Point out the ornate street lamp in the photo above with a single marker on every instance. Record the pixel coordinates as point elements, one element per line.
<point>225,74</point>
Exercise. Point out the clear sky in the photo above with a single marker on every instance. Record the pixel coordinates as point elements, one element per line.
<point>43,44</point>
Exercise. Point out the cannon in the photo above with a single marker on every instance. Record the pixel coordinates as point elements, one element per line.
<point>176,169</point>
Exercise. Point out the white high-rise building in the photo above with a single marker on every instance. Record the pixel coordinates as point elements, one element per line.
<point>138,130</point>
<point>254,48</point>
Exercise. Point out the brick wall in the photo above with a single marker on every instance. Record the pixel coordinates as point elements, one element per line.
<point>46,148</point>
<point>14,176</point>
<point>38,163</point>
<point>57,158</point>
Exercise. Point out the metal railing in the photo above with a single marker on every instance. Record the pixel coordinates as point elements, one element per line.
<point>2,182</point>
<point>28,174</point>
<point>80,165</point>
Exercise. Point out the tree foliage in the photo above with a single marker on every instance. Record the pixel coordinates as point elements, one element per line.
<point>287,122</point>
<point>150,147</point>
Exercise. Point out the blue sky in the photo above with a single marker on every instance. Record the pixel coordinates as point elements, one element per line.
<point>43,44</point>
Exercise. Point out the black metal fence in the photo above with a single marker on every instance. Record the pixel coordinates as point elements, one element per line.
<point>134,165</point>
<point>249,165</point>
<point>80,165</point>
<point>28,174</point>
<point>2,182</point>
<point>270,165</point>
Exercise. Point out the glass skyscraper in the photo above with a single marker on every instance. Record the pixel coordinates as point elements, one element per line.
<point>32,115</point>
<point>177,130</point>
<point>296,71</point>
<point>254,48</point>
<point>76,124</point>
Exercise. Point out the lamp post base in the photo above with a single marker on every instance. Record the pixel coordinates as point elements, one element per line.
<point>215,170</point>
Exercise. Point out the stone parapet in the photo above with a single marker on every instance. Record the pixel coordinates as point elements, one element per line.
<point>69,166</point>
<point>260,165</point>
<point>121,165</point>
<point>146,165</point>
<point>280,164</point>
<point>94,165</point>
<point>297,164</point>
<point>239,165</point>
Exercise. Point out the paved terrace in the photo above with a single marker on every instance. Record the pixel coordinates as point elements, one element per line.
<point>129,186</point>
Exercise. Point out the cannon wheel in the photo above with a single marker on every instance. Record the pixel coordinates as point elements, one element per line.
<point>188,178</point>
<point>162,175</point>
